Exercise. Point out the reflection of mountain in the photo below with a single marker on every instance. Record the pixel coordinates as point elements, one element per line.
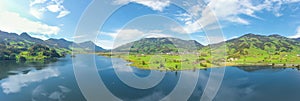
<point>12,67</point>
<point>159,45</point>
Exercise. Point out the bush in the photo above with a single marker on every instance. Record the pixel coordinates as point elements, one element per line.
<point>203,65</point>
<point>143,63</point>
<point>22,59</point>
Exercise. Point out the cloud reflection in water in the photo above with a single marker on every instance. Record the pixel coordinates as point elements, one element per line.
<point>14,83</point>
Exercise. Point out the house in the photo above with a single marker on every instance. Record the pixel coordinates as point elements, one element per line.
<point>233,59</point>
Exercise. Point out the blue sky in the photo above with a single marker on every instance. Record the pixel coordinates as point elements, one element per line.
<point>135,19</point>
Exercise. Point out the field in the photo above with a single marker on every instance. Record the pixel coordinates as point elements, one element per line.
<point>203,61</point>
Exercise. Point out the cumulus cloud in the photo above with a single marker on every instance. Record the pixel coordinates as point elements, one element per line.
<point>13,22</point>
<point>53,8</point>
<point>123,36</point>
<point>39,7</point>
<point>37,13</point>
<point>226,10</point>
<point>37,2</point>
<point>158,5</point>
<point>63,13</point>
<point>120,37</point>
<point>297,35</point>
<point>157,35</point>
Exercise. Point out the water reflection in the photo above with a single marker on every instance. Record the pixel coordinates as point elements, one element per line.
<point>12,67</point>
<point>42,93</point>
<point>14,83</point>
<point>56,82</point>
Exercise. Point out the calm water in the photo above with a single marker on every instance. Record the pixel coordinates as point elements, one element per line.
<point>56,82</point>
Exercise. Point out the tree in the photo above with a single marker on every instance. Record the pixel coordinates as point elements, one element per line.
<point>143,63</point>
<point>22,59</point>
<point>12,56</point>
<point>161,65</point>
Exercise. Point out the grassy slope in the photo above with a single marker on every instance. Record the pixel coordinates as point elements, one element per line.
<point>167,62</point>
<point>249,49</point>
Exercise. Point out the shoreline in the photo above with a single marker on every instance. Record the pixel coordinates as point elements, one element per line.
<point>277,66</point>
<point>217,66</point>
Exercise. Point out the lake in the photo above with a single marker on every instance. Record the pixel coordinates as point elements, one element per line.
<point>55,81</point>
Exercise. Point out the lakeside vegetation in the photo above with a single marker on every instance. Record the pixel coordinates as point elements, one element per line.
<point>247,50</point>
<point>192,61</point>
<point>37,52</point>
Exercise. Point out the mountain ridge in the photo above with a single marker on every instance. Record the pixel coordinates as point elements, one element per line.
<point>159,45</point>
<point>58,43</point>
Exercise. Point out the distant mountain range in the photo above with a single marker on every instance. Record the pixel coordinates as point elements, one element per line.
<point>248,44</point>
<point>6,37</point>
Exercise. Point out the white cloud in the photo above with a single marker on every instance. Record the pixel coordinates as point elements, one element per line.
<point>157,35</point>
<point>43,37</point>
<point>158,5</point>
<point>39,7</point>
<point>124,36</point>
<point>297,35</point>
<point>106,44</point>
<point>38,13</point>
<point>13,22</point>
<point>233,37</point>
<point>53,8</point>
<point>119,37</point>
<point>226,10</point>
<point>63,13</point>
<point>37,2</point>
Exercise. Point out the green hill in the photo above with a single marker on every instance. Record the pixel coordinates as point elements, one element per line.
<point>24,47</point>
<point>247,50</point>
<point>252,48</point>
<point>159,45</point>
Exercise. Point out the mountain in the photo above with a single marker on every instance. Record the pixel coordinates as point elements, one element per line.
<point>253,43</point>
<point>84,46</point>
<point>252,48</point>
<point>159,45</point>
<point>27,37</point>
<point>90,46</point>
<point>5,36</point>
<point>23,47</point>
<point>62,43</point>
<point>57,43</point>
<point>14,46</point>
